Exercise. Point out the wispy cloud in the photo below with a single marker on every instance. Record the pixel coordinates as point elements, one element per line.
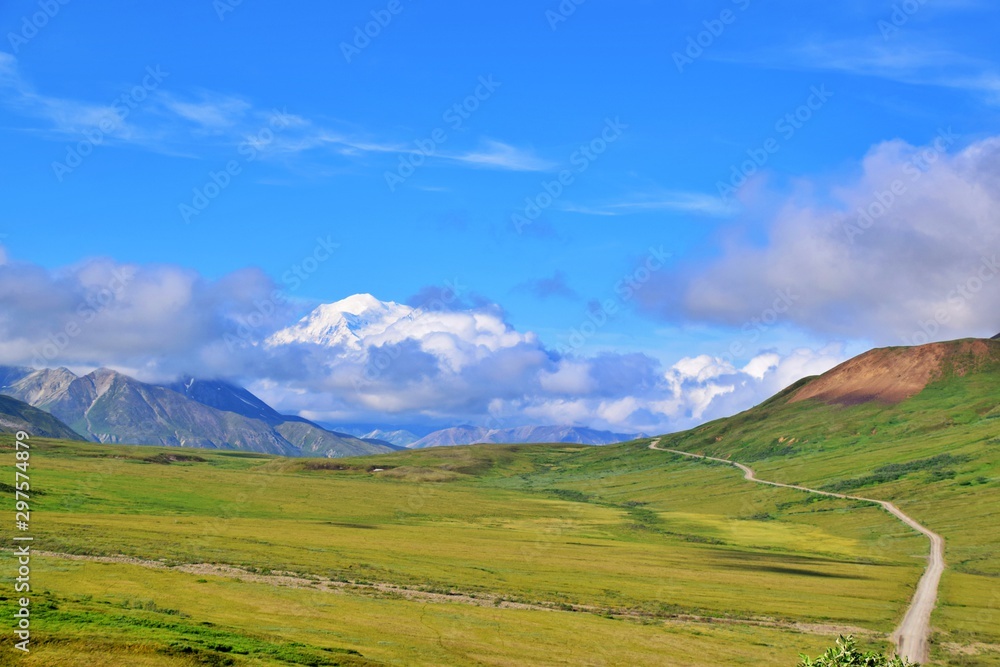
<point>65,117</point>
<point>915,59</point>
<point>498,155</point>
<point>213,111</point>
<point>177,124</point>
<point>585,210</point>
<point>680,202</point>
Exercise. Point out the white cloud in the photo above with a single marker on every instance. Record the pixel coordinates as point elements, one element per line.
<point>362,327</point>
<point>359,359</point>
<point>909,55</point>
<point>761,365</point>
<point>695,203</point>
<point>570,377</point>
<point>498,155</point>
<point>158,320</point>
<point>701,369</point>
<point>689,393</point>
<point>177,124</point>
<point>212,112</point>
<point>65,117</point>
<point>902,252</point>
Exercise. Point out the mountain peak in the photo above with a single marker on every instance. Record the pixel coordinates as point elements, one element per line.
<point>359,303</point>
<point>344,323</point>
<point>61,372</point>
<point>104,378</point>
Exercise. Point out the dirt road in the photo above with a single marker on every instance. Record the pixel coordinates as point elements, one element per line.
<point>912,637</point>
<point>480,599</point>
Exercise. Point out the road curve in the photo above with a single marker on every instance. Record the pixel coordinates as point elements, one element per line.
<point>912,637</point>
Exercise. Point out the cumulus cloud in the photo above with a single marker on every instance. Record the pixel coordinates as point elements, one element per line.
<point>156,320</point>
<point>444,360</point>
<point>472,365</point>
<point>902,252</point>
<point>688,393</point>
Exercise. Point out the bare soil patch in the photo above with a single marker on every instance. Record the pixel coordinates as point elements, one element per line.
<point>891,375</point>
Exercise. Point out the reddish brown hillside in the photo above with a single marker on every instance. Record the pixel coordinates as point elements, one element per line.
<point>893,374</point>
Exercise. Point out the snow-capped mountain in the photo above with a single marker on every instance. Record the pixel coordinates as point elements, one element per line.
<point>361,323</point>
<point>347,323</point>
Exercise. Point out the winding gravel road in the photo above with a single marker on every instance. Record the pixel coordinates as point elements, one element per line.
<point>912,637</point>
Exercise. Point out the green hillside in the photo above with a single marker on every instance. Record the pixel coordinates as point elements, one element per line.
<point>18,416</point>
<point>936,455</point>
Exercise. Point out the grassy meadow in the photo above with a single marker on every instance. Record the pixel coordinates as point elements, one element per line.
<point>496,555</point>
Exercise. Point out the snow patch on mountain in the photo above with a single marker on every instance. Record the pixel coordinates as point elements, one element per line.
<point>361,323</point>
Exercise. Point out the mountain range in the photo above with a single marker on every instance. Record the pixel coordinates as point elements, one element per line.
<point>110,407</point>
<point>474,435</point>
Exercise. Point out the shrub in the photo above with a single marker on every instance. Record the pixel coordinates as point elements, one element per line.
<point>846,654</point>
<point>894,471</point>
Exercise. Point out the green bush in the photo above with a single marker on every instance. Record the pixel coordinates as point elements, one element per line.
<point>894,471</point>
<point>846,654</point>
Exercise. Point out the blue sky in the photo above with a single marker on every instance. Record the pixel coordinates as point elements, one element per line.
<point>871,82</point>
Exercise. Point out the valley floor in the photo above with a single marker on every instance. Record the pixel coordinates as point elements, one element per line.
<point>531,555</point>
